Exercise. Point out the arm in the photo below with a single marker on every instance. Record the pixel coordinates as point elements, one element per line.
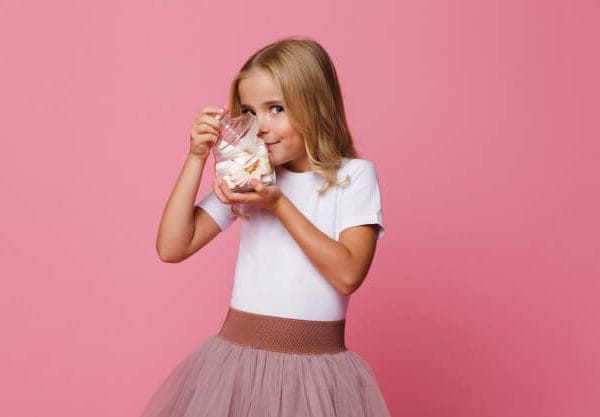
<point>184,229</point>
<point>343,263</point>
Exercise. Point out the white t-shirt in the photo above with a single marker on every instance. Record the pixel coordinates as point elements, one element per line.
<point>273,276</point>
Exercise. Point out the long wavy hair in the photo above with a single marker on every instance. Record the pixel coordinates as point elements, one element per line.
<point>312,97</point>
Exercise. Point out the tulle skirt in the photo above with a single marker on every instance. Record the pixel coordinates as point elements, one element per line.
<point>265,366</point>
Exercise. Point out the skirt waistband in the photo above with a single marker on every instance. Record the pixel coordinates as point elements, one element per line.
<point>283,334</point>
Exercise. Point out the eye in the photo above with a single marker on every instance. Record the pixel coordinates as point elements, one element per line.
<point>247,110</point>
<point>278,108</point>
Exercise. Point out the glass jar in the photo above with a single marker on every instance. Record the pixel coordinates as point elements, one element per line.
<point>240,155</point>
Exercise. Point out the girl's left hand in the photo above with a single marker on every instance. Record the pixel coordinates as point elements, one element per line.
<point>265,196</point>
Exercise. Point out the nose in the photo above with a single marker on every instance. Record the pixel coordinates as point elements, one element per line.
<point>263,123</point>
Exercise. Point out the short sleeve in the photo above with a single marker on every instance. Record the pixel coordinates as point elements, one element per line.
<point>220,212</point>
<point>361,198</point>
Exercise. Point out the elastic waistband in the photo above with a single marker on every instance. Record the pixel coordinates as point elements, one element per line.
<point>283,334</point>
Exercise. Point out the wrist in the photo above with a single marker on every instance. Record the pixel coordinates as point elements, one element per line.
<point>197,158</point>
<point>278,205</point>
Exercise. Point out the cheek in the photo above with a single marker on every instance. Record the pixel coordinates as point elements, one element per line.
<point>285,129</point>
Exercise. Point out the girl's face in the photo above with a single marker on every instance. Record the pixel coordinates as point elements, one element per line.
<point>260,95</point>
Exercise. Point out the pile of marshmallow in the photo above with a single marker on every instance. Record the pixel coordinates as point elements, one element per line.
<point>238,164</point>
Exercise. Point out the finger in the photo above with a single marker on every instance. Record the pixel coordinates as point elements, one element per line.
<point>211,139</point>
<point>210,121</point>
<point>234,197</point>
<point>212,110</point>
<point>202,127</point>
<point>248,197</point>
<point>224,189</point>
<point>231,196</point>
<point>203,139</point>
<point>205,128</point>
<point>218,192</point>
<point>258,186</point>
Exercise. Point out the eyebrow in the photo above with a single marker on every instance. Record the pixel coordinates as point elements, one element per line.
<point>266,102</point>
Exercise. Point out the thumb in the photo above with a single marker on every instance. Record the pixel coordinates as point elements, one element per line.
<point>258,186</point>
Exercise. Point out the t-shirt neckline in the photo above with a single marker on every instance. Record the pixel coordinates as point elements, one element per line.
<point>295,174</point>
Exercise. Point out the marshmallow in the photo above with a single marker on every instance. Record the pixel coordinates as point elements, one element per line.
<point>240,178</point>
<point>243,160</point>
<point>251,163</point>
<point>268,178</point>
<point>225,147</point>
<point>255,175</point>
<point>225,167</point>
<point>263,165</point>
<point>228,181</point>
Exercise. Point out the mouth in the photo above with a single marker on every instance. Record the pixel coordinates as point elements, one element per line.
<point>271,144</point>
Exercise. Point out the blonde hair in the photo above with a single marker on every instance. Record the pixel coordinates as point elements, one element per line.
<point>314,104</point>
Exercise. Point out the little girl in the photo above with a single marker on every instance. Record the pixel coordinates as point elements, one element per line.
<point>306,245</point>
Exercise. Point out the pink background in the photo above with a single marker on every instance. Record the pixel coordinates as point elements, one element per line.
<point>481,117</point>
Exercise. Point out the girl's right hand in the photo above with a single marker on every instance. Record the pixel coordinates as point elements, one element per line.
<point>205,131</point>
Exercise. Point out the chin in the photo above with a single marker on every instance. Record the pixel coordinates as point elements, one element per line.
<point>274,161</point>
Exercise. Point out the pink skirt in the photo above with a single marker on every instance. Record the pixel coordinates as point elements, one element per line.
<point>265,366</point>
